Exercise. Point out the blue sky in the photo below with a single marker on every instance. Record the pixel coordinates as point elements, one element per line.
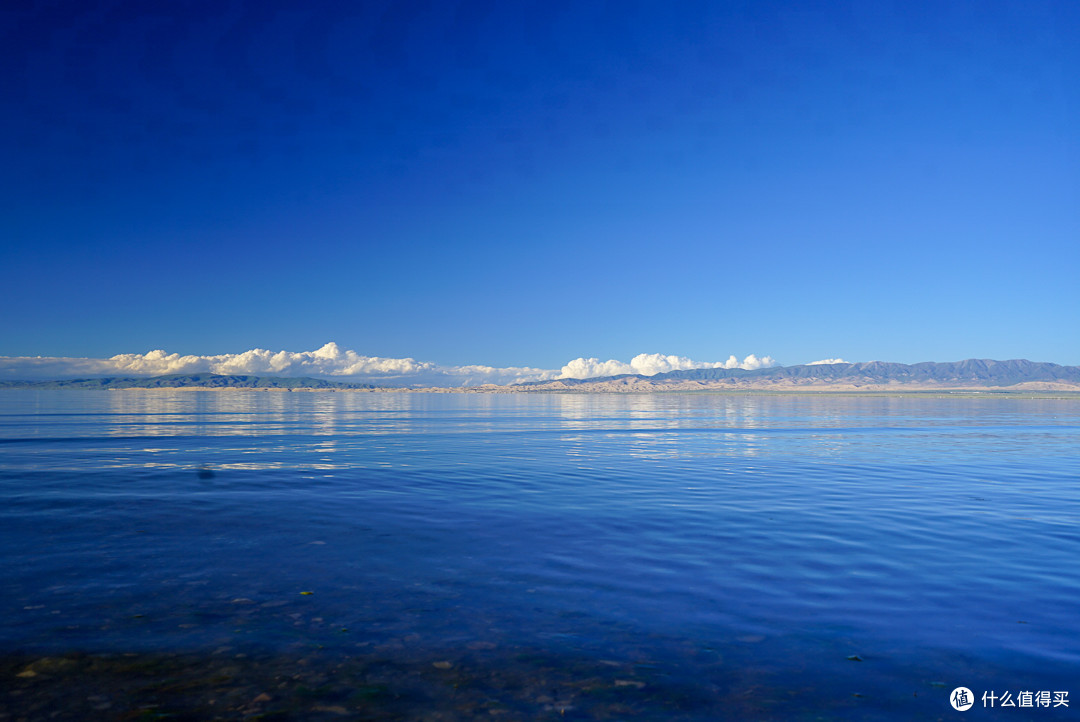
<point>524,184</point>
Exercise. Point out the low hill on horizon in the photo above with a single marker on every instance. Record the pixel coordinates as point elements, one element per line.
<point>970,374</point>
<point>870,375</point>
<point>174,381</point>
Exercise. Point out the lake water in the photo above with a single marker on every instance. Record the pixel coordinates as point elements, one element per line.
<point>569,556</point>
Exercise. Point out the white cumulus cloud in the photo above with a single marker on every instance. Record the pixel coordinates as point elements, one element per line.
<point>825,361</point>
<point>326,361</point>
<point>649,364</point>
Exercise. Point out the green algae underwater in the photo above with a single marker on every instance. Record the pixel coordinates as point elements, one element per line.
<point>482,683</point>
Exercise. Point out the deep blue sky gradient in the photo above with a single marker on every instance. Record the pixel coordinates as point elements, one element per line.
<point>522,184</point>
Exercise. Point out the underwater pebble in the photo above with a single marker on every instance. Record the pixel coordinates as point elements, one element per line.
<point>336,709</point>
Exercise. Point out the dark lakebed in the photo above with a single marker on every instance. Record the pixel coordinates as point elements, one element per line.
<point>235,554</point>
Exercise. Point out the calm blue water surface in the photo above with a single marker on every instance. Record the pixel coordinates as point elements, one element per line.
<point>727,540</point>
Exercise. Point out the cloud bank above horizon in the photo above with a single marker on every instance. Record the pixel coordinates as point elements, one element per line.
<point>330,361</point>
<point>649,364</point>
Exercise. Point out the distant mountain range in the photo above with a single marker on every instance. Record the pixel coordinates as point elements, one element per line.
<point>972,374</point>
<point>870,376</point>
<point>174,381</point>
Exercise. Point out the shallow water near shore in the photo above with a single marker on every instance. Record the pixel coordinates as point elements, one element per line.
<point>414,556</point>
